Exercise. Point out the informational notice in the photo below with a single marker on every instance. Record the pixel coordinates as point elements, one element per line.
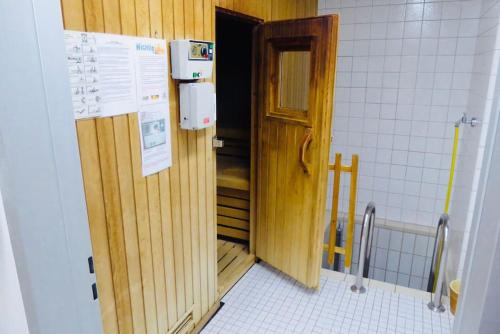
<point>112,75</point>
<point>154,128</point>
<point>151,71</point>
<point>115,67</point>
<point>81,52</point>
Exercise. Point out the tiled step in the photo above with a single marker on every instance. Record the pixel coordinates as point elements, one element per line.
<point>367,282</point>
<point>267,301</point>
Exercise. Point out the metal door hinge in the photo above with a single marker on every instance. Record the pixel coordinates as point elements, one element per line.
<point>94,291</point>
<point>91,265</point>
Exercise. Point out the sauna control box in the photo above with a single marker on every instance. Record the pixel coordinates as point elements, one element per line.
<point>197,105</point>
<point>192,60</point>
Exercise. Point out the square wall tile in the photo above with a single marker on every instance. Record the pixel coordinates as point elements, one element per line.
<point>406,70</point>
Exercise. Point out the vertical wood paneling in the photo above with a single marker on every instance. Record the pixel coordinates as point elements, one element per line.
<point>179,32</point>
<point>168,249</point>
<point>111,187</point>
<point>97,223</point>
<point>126,11</point>
<point>294,193</point>
<point>201,137</point>
<point>144,234</point>
<point>157,252</point>
<point>278,206</point>
<point>262,232</point>
<point>154,238</point>
<point>141,195</point>
<point>129,221</point>
<point>169,188</point>
<point>273,190</point>
<point>189,32</point>
<point>156,30</point>
<point>180,284</point>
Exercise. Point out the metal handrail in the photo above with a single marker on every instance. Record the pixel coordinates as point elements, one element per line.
<point>365,248</point>
<point>439,258</point>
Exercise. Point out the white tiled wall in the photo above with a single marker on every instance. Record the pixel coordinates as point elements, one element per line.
<point>484,89</point>
<point>403,78</point>
<point>407,69</point>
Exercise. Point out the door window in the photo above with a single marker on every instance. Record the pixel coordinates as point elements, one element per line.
<point>294,75</point>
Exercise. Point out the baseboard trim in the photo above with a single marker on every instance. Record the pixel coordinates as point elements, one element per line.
<point>207,317</point>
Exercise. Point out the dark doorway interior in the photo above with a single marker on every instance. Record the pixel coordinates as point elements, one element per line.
<point>234,94</point>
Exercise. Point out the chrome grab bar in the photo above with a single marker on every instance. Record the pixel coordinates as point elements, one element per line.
<point>439,257</point>
<point>365,248</point>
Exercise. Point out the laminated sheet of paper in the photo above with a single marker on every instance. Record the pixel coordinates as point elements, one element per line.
<point>154,128</point>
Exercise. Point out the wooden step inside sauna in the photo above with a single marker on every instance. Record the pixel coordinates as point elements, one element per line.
<point>233,260</point>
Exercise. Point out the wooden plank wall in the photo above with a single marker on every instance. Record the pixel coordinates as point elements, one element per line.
<point>154,238</point>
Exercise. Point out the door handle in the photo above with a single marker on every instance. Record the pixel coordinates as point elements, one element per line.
<point>217,142</point>
<point>304,146</point>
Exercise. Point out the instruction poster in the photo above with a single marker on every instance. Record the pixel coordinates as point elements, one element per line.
<point>114,74</point>
<point>151,70</point>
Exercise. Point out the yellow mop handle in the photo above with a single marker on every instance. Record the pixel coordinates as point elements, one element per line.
<point>452,169</point>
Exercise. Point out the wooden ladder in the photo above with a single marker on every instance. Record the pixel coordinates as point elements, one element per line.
<point>331,247</point>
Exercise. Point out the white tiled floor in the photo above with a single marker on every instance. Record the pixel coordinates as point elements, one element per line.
<point>266,301</point>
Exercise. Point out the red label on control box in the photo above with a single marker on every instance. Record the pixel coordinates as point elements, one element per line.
<point>206,120</point>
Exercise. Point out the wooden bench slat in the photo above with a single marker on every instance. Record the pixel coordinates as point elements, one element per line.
<point>233,222</point>
<point>233,232</point>
<point>233,213</point>
<point>233,202</point>
<point>236,193</point>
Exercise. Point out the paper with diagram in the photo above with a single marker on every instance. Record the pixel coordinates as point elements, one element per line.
<point>81,52</point>
<point>154,128</point>
<point>114,74</point>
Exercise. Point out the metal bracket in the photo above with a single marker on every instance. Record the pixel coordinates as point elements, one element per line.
<point>217,143</point>
<point>472,121</point>
<point>91,265</point>
<point>94,291</point>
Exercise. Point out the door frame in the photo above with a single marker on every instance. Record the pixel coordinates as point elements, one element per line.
<point>253,124</point>
<point>478,303</point>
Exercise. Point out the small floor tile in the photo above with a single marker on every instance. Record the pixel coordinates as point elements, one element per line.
<point>267,301</point>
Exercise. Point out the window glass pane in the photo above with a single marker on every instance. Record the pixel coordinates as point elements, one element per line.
<point>294,75</point>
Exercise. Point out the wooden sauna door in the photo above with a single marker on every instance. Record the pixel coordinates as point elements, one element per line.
<point>294,74</point>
